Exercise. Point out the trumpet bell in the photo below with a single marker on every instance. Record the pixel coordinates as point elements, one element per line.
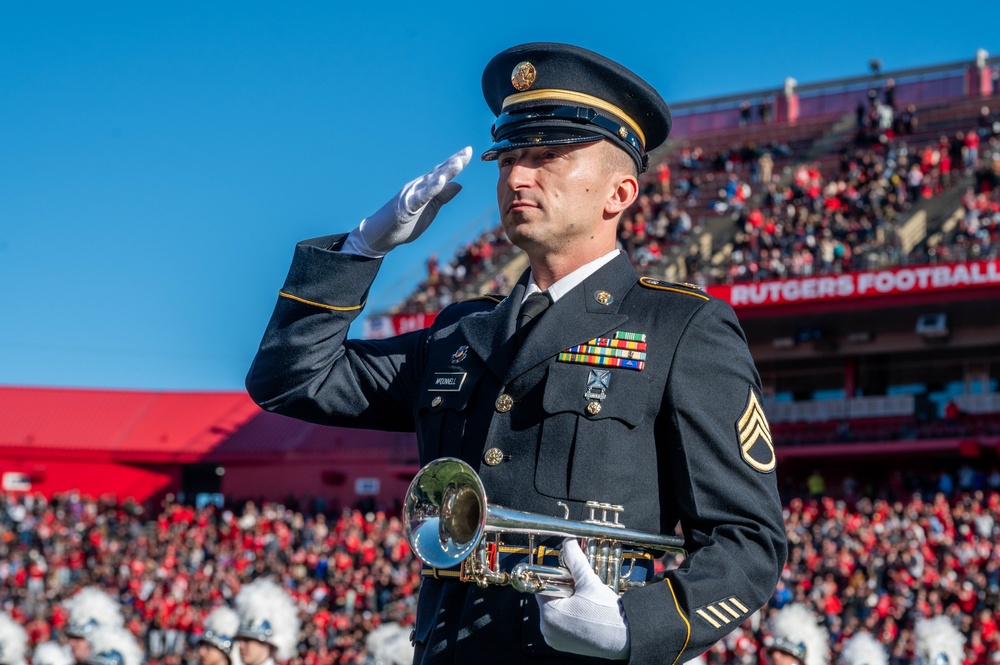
<point>445,512</point>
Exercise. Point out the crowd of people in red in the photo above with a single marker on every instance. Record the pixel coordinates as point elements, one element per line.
<point>859,563</point>
<point>349,574</point>
<point>838,215</point>
<point>880,565</point>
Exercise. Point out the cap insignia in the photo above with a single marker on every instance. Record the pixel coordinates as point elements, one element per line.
<point>622,131</point>
<point>523,76</point>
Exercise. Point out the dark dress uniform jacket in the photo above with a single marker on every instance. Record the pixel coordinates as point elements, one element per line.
<point>667,442</point>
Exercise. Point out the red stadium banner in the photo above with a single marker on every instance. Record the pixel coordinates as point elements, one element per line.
<point>894,281</point>
<point>378,327</point>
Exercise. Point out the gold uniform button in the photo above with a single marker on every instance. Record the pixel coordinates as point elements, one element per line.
<point>504,403</point>
<point>436,401</point>
<point>493,456</point>
<point>594,408</point>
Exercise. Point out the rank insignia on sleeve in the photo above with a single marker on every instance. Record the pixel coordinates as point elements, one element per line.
<point>754,436</point>
<point>723,612</point>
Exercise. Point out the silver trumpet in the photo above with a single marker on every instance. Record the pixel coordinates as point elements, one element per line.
<point>449,523</point>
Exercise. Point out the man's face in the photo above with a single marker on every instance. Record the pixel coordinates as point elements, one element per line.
<point>80,648</point>
<point>253,652</point>
<point>209,655</point>
<point>553,197</point>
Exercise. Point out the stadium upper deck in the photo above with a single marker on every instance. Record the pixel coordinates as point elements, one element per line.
<point>735,160</point>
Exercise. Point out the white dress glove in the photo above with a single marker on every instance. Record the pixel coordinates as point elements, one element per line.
<point>591,622</point>
<point>407,214</point>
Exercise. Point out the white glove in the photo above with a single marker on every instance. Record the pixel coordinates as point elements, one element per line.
<point>591,622</point>
<point>407,214</point>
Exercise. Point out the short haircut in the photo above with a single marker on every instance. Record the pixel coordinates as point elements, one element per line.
<point>616,160</point>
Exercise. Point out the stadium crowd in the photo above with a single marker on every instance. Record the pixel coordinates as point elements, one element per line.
<point>860,563</point>
<point>171,567</point>
<point>837,214</point>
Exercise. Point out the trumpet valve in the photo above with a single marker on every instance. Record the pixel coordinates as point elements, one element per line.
<point>605,508</point>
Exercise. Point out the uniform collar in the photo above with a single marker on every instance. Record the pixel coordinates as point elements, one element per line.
<point>580,315</point>
<point>570,281</point>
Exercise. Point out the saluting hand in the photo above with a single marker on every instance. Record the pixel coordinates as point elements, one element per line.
<point>403,218</point>
<point>591,622</point>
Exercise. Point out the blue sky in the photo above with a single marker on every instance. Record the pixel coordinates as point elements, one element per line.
<point>158,161</point>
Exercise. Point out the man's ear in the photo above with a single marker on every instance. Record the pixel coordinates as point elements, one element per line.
<point>622,196</point>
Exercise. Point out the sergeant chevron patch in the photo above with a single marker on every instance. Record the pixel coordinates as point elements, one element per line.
<point>754,436</point>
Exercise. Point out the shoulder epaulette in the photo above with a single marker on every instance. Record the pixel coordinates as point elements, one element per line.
<point>676,287</point>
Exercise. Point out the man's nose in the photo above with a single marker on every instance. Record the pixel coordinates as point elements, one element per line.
<point>519,175</point>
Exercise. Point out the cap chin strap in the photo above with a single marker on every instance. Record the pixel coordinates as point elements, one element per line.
<point>511,126</point>
<point>575,99</point>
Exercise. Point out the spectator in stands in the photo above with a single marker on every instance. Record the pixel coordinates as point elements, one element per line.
<point>889,93</point>
<point>971,152</point>
<point>765,111</point>
<point>765,167</point>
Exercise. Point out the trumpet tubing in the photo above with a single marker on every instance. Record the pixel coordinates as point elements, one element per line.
<point>447,518</point>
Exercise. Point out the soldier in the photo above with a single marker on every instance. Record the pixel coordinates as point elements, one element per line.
<point>113,645</point>
<point>269,624</point>
<point>89,609</point>
<point>217,645</point>
<point>938,642</point>
<point>584,383</point>
<point>13,641</point>
<point>797,639</point>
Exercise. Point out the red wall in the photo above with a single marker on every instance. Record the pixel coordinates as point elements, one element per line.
<point>51,476</point>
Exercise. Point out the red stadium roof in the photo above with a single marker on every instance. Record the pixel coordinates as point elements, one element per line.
<point>120,421</point>
<point>167,427</point>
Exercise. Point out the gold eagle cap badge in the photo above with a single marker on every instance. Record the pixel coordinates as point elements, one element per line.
<point>754,436</point>
<point>523,76</point>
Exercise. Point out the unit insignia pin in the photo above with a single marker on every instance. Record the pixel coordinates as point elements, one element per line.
<point>603,297</point>
<point>460,354</point>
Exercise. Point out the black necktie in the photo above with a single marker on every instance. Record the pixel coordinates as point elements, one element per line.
<point>531,309</point>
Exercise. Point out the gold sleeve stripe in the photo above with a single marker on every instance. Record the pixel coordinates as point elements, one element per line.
<point>722,617</point>
<point>574,97</point>
<point>683,618</point>
<point>704,615</point>
<point>736,615</point>
<point>319,304</point>
<point>742,608</point>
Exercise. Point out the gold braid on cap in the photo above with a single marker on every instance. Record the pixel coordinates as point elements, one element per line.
<point>579,98</point>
